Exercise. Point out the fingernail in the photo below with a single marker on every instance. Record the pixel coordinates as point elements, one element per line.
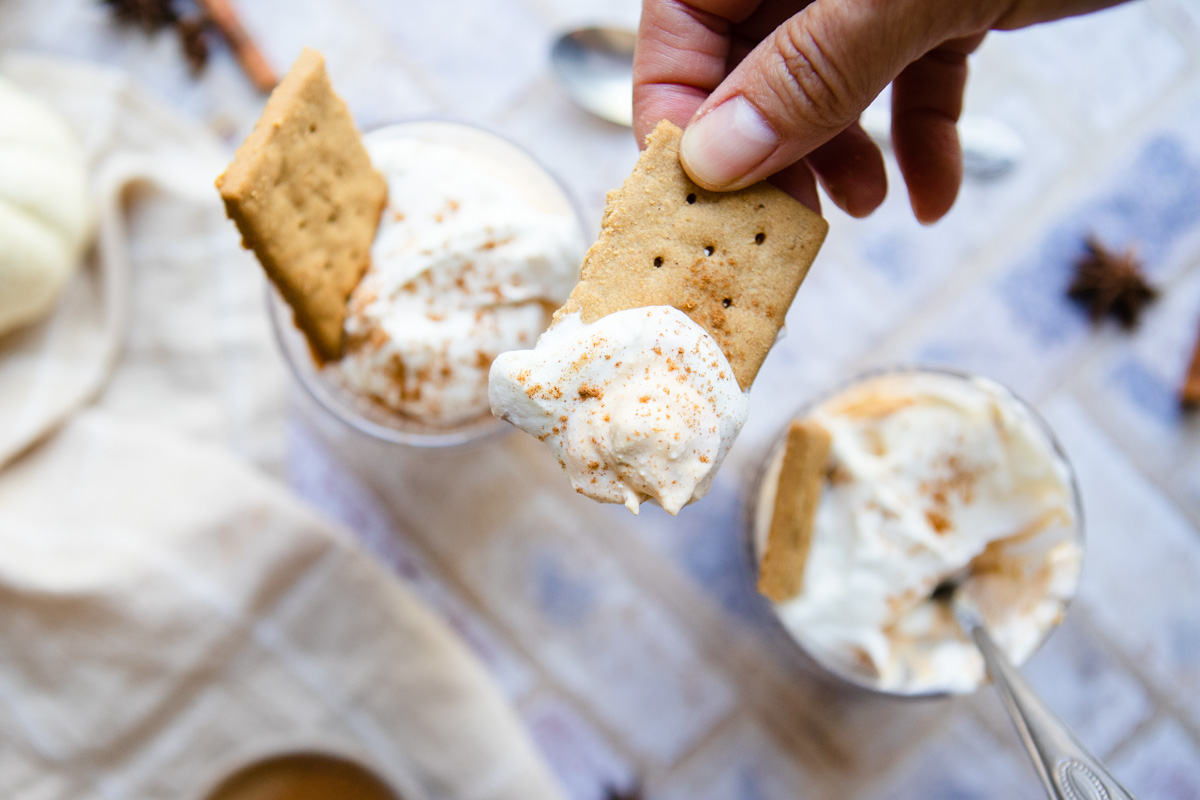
<point>726,143</point>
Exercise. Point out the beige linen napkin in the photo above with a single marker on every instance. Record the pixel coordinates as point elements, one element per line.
<point>166,608</point>
<point>181,608</point>
<point>166,285</point>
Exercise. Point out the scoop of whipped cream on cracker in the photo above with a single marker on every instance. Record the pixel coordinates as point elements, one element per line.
<point>640,384</point>
<point>636,405</point>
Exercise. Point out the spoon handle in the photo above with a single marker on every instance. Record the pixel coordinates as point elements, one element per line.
<point>1067,769</point>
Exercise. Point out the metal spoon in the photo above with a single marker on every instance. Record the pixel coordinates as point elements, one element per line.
<point>595,66</point>
<point>1067,770</point>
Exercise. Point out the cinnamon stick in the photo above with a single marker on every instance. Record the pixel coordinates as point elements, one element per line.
<point>1190,395</point>
<point>251,59</point>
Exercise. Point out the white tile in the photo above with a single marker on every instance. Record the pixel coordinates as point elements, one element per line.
<point>1164,764</point>
<point>315,474</point>
<point>1141,573</point>
<point>476,55</point>
<point>372,74</point>
<point>569,14</point>
<point>1184,14</point>
<point>568,603</point>
<point>1117,62</point>
<point>590,156</point>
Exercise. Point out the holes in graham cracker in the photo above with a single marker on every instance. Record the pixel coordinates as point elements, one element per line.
<point>727,302</point>
<point>760,237</point>
<point>691,198</point>
<point>658,261</point>
<point>709,250</point>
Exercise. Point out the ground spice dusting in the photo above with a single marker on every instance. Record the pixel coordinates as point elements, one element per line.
<point>938,521</point>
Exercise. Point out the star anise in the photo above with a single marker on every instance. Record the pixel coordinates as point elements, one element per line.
<point>215,17</point>
<point>195,45</point>
<point>150,14</point>
<point>154,15</point>
<point>1110,284</point>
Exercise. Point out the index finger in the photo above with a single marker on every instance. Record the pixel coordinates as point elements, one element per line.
<point>681,56</point>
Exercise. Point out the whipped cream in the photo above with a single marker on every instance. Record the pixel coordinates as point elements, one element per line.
<point>931,473</point>
<point>464,266</point>
<point>640,404</point>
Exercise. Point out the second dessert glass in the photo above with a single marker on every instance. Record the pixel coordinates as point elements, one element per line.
<point>761,504</point>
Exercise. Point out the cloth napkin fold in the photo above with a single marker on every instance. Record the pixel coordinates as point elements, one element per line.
<point>168,609</point>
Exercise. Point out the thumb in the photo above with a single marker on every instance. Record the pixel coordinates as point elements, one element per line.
<point>808,80</point>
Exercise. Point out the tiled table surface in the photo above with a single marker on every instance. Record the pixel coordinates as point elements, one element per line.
<point>635,647</point>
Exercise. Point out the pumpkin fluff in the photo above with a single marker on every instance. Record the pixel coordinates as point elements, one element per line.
<point>43,206</point>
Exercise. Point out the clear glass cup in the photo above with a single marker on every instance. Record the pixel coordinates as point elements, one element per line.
<point>811,658</point>
<point>325,384</point>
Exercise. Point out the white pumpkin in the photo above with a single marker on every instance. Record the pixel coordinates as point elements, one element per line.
<point>44,217</point>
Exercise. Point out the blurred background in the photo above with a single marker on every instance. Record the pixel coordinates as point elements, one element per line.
<point>634,649</point>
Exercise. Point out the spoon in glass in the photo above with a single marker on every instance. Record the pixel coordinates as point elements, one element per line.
<point>1067,770</point>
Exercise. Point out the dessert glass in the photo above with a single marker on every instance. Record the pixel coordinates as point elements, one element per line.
<point>263,767</point>
<point>326,385</point>
<point>760,507</point>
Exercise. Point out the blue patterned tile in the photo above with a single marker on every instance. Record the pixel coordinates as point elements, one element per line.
<point>1149,392</point>
<point>583,759</point>
<point>1133,388</point>
<point>1151,206</point>
<point>563,597</point>
<point>1163,764</point>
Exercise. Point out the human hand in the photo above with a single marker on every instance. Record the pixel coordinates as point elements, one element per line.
<point>774,88</point>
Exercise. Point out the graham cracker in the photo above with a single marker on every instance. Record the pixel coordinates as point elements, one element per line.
<point>307,201</point>
<point>801,478</point>
<point>732,261</point>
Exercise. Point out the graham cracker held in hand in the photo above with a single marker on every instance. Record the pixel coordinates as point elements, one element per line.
<point>307,201</point>
<point>797,494</point>
<point>732,261</point>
